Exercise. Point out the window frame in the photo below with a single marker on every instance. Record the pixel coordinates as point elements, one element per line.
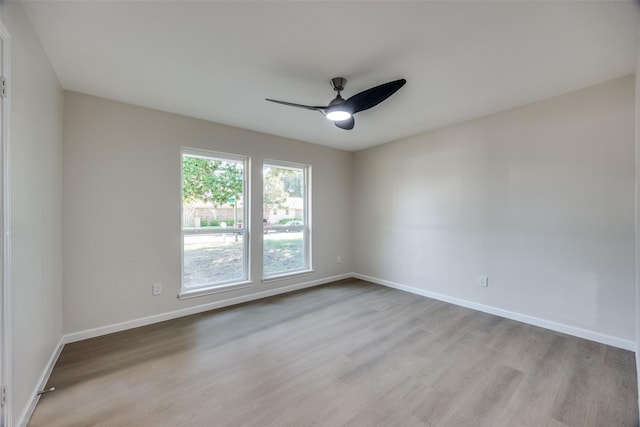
<point>306,221</point>
<point>220,286</point>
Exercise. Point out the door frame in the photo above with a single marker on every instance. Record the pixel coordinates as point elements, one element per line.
<point>5,234</point>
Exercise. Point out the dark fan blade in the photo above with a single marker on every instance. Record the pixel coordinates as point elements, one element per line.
<point>291,104</point>
<point>346,124</point>
<point>374,96</point>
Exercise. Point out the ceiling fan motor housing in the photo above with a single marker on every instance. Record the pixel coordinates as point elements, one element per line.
<point>338,83</point>
<point>337,100</point>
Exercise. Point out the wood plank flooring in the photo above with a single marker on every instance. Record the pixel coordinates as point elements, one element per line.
<point>350,353</point>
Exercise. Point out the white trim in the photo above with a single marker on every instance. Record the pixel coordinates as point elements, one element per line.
<point>536,321</point>
<point>288,275</point>
<point>104,330</point>
<point>636,217</point>
<point>199,292</point>
<point>5,239</point>
<point>42,382</point>
<point>96,332</point>
<point>211,154</point>
<point>547,324</point>
<point>308,218</point>
<point>283,164</point>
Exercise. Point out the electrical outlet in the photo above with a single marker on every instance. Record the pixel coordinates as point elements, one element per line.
<point>339,259</point>
<point>157,289</point>
<point>483,281</point>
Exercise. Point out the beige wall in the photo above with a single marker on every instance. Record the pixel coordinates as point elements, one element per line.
<point>121,162</point>
<point>36,186</point>
<point>539,198</point>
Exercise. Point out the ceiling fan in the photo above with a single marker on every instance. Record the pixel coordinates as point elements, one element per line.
<point>341,110</point>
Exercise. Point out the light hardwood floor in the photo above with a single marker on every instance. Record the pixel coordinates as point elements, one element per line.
<point>350,353</point>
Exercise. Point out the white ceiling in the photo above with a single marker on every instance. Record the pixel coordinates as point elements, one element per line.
<point>218,60</point>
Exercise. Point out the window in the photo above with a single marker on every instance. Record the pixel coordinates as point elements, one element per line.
<point>286,240</point>
<point>214,239</point>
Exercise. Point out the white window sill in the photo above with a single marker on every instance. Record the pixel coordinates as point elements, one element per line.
<point>289,275</point>
<point>200,292</point>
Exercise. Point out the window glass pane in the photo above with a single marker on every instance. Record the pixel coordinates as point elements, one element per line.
<point>285,227</point>
<point>212,258</point>
<point>213,195</point>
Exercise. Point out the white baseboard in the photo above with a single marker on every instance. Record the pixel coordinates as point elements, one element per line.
<point>536,321</point>
<point>95,332</point>
<point>42,382</point>
<point>143,321</point>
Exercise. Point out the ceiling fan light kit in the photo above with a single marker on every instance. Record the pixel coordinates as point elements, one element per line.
<point>341,111</point>
<point>338,115</point>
